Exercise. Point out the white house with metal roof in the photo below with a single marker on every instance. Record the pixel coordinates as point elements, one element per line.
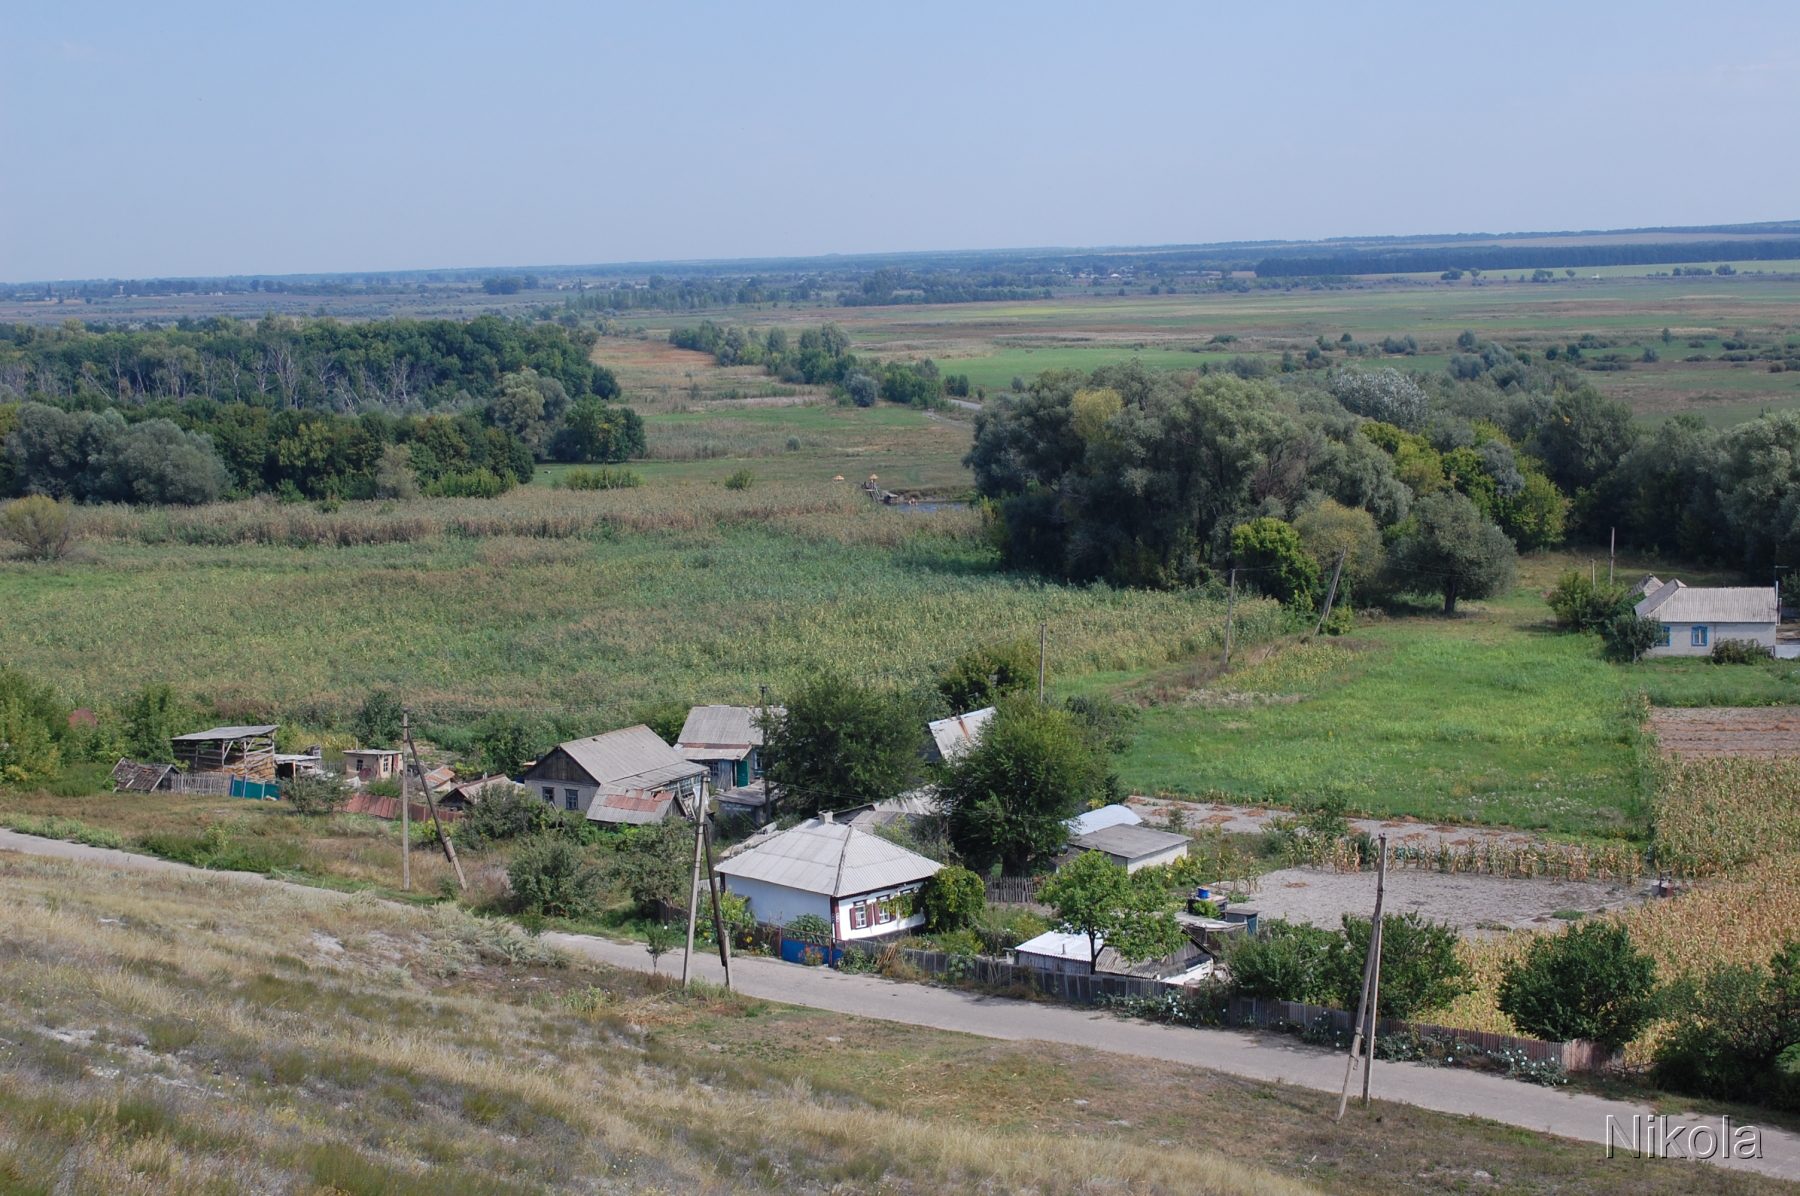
<point>1694,618</point>
<point>628,777</point>
<point>862,885</point>
<point>951,737</point>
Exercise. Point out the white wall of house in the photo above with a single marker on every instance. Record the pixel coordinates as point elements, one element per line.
<point>777,905</point>
<point>870,914</point>
<point>1682,637</point>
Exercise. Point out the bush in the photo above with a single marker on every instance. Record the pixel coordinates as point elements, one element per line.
<point>1288,961</point>
<point>1581,604</point>
<point>743,479</point>
<point>654,864</point>
<point>552,876</point>
<point>1733,1033</point>
<point>809,928</point>
<point>599,479</point>
<point>472,483</point>
<point>1588,982</point>
<point>1419,965</point>
<point>315,794</point>
<point>40,524</point>
<point>151,717</point>
<point>952,899</point>
<point>504,812</point>
<point>985,674</point>
<point>1739,652</point>
<point>1629,637</point>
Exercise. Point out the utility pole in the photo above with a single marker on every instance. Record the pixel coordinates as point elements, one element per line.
<point>713,889</point>
<point>1612,551</point>
<point>1043,636</point>
<point>462,882</point>
<point>1369,963</point>
<point>1230,602</point>
<point>1331,594</point>
<point>1593,572</point>
<point>694,886</point>
<point>405,809</point>
<point>1377,933</point>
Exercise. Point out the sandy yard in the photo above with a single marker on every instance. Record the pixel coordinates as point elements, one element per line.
<point>1478,905</point>
<point>1250,820</point>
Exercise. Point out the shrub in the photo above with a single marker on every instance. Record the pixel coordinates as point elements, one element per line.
<point>983,675</point>
<point>1739,652</point>
<point>473,483</point>
<point>1582,604</point>
<point>1420,969</point>
<point>216,847</point>
<point>151,717</point>
<point>1628,637</point>
<point>1287,961</point>
<point>552,876</point>
<point>654,864</point>
<point>743,479</point>
<point>504,812</point>
<point>1588,982</point>
<point>952,899</point>
<point>810,928</point>
<point>1733,1033</point>
<point>602,478</point>
<point>377,722</point>
<point>315,795</point>
<point>38,523</point>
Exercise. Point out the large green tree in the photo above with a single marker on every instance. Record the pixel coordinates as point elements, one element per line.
<point>837,742</point>
<point>1092,896</point>
<point>1448,548</point>
<point>1589,982</point>
<point>1009,795</point>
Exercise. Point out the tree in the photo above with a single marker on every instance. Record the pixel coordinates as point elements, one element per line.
<point>394,477</point>
<point>152,717</point>
<point>1329,528</point>
<point>315,795</point>
<point>1583,437</point>
<point>1583,604</point>
<point>1269,552</point>
<point>984,675</point>
<point>1011,793</point>
<point>1733,1033</point>
<point>837,742</point>
<point>1589,982</point>
<point>594,431</point>
<point>654,864</point>
<point>1628,637</point>
<point>505,745</point>
<point>1450,548</point>
<point>862,389</point>
<point>660,938</point>
<point>1420,969</point>
<point>157,462</point>
<point>502,812</point>
<point>552,875</point>
<point>378,720</point>
<point>952,899</point>
<point>1386,395</point>
<point>1092,896</point>
<point>40,524</point>
<point>530,406</point>
<point>1288,961</point>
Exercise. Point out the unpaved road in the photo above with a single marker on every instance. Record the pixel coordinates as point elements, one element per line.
<point>1264,1057</point>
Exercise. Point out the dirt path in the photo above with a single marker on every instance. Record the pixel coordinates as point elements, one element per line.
<point>1264,1057</point>
<point>1249,820</point>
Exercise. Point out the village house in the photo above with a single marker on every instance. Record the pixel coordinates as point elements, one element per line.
<point>727,740</point>
<point>625,777</point>
<point>1133,847</point>
<point>1069,954</point>
<point>951,737</point>
<point>365,766</point>
<point>1694,618</point>
<point>863,886</point>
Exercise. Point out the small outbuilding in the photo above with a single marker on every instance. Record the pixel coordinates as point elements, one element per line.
<point>247,751</point>
<point>863,886</point>
<point>728,740</point>
<point>1133,847</point>
<point>460,795</point>
<point>627,777</point>
<point>1105,816</point>
<point>1069,954</point>
<point>364,766</point>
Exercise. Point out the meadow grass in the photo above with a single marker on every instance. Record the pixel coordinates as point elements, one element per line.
<point>208,1035</point>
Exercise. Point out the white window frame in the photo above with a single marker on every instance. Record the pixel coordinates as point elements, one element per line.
<point>1698,635</point>
<point>859,916</point>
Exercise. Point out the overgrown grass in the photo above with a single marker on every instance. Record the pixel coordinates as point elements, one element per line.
<point>56,827</point>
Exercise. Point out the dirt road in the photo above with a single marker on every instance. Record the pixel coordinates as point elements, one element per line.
<point>1264,1057</point>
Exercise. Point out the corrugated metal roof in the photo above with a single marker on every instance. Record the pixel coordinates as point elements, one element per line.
<point>630,758</point>
<point>227,733</point>
<point>1105,816</point>
<point>723,726</point>
<point>714,751</point>
<point>829,858</point>
<point>636,808</point>
<point>957,734</point>
<point>1132,842</point>
<point>1058,944</point>
<point>1674,602</point>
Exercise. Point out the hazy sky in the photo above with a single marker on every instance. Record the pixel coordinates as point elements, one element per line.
<point>233,138</point>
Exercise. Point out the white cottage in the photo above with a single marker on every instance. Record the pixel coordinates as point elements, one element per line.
<point>863,886</point>
<point>1694,618</point>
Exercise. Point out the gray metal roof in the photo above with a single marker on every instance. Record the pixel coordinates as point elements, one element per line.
<point>1674,602</point>
<point>830,858</point>
<point>226,733</point>
<point>723,726</point>
<point>1094,820</point>
<point>1132,842</point>
<point>958,733</point>
<point>632,758</point>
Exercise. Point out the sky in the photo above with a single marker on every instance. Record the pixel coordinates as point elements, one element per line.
<point>181,138</point>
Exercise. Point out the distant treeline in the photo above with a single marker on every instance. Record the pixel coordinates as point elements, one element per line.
<point>890,286</point>
<point>692,294</point>
<point>1521,257</point>
<point>296,364</point>
<point>822,357</point>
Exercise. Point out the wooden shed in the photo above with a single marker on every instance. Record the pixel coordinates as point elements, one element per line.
<point>240,751</point>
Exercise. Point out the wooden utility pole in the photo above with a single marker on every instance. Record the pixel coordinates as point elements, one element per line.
<point>1230,603</point>
<point>1378,935</point>
<point>1331,594</point>
<point>1043,637</point>
<point>405,811</point>
<point>1369,962</point>
<point>1612,550</point>
<point>694,887</point>
<point>462,882</point>
<point>714,890</point>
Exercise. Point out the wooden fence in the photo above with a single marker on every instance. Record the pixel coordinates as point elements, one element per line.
<point>1265,1014</point>
<point>212,784</point>
<point>1014,890</point>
